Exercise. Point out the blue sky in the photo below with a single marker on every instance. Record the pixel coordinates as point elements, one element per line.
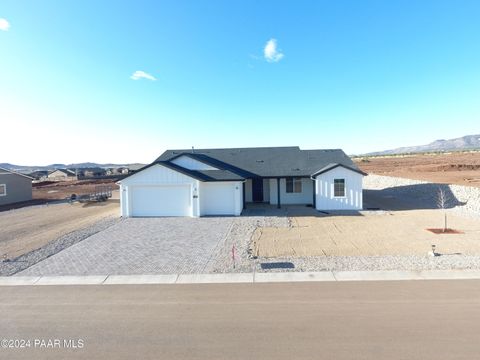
<point>359,75</point>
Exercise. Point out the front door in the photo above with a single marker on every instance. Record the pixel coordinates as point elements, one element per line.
<point>257,190</point>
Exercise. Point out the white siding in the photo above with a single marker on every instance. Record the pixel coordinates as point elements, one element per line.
<point>353,190</point>
<point>192,164</point>
<point>305,197</point>
<point>156,175</point>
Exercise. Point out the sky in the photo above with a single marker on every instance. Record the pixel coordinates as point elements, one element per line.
<point>122,81</point>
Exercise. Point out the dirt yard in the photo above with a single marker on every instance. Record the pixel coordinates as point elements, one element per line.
<point>30,228</point>
<point>368,234</point>
<point>462,168</point>
<point>63,189</point>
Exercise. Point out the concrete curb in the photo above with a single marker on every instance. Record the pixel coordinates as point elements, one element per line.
<point>250,278</point>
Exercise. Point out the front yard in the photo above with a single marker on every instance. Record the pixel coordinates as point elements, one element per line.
<point>374,233</point>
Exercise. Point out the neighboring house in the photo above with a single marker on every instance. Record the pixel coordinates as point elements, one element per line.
<point>93,172</point>
<point>223,181</point>
<point>39,175</point>
<point>117,171</point>
<point>14,187</point>
<point>62,175</point>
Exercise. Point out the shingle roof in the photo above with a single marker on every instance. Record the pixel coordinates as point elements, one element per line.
<point>335,165</point>
<point>4,171</point>
<point>202,175</point>
<point>266,161</point>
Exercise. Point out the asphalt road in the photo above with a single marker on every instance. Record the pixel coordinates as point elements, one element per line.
<point>348,320</point>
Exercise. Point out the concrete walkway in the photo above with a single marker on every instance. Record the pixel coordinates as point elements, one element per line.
<point>242,277</point>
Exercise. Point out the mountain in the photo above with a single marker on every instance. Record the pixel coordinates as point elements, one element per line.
<point>30,168</point>
<point>468,142</point>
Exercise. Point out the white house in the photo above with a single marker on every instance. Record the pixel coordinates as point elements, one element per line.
<point>223,181</point>
<point>62,175</point>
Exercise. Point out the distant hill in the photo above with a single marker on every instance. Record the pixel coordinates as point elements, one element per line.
<point>31,168</point>
<point>468,142</point>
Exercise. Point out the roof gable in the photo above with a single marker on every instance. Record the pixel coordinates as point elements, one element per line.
<point>334,166</point>
<point>10,172</point>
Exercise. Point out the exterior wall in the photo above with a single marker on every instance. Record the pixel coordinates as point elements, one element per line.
<point>155,176</point>
<point>192,164</point>
<point>353,190</point>
<point>305,197</point>
<point>18,187</point>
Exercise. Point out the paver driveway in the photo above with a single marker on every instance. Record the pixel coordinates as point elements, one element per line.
<point>141,246</point>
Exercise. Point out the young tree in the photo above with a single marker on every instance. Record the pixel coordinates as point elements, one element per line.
<point>443,201</point>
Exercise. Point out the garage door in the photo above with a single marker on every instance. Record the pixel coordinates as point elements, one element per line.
<point>217,199</point>
<point>161,200</point>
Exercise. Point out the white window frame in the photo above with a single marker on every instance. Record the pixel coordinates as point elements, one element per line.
<point>4,189</point>
<point>344,188</point>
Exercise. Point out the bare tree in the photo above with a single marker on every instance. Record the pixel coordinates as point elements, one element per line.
<point>443,201</point>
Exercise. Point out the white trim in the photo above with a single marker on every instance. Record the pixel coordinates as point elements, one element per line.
<point>5,190</point>
<point>344,188</point>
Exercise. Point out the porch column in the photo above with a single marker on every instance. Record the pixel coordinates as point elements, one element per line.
<point>314,192</point>
<point>243,194</point>
<point>278,193</point>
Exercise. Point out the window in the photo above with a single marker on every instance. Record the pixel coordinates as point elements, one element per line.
<point>3,189</point>
<point>339,187</point>
<point>294,185</point>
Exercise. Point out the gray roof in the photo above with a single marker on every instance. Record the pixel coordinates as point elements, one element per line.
<point>202,175</point>
<point>335,165</point>
<point>4,171</point>
<point>266,161</point>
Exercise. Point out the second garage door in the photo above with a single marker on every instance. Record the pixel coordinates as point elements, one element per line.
<point>217,198</point>
<point>161,200</point>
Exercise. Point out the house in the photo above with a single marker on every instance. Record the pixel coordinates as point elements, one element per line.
<point>223,181</point>
<point>39,175</point>
<point>93,172</point>
<point>14,187</point>
<point>62,175</point>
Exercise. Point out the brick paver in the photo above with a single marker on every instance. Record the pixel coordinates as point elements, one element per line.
<point>141,246</point>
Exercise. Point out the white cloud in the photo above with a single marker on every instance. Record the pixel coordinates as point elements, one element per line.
<point>4,24</point>
<point>271,53</point>
<point>142,74</point>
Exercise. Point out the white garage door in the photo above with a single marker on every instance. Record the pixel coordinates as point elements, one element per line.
<point>217,199</point>
<point>161,200</point>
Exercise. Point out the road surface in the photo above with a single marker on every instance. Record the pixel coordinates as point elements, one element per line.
<point>349,320</point>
